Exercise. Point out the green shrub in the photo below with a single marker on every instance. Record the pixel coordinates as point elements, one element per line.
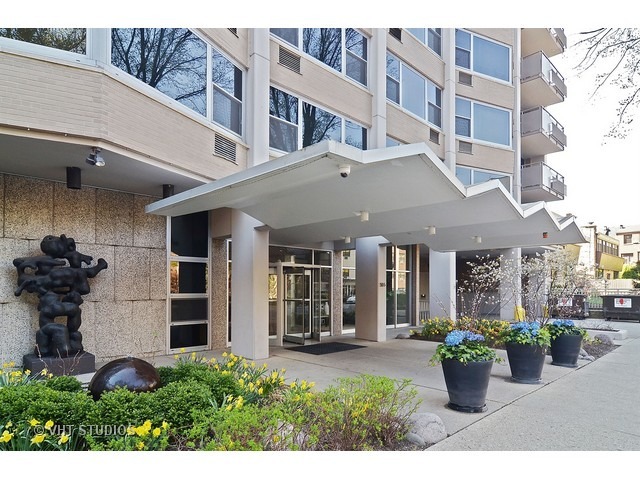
<point>219,383</point>
<point>251,427</point>
<point>64,384</point>
<point>36,400</point>
<point>121,407</point>
<point>362,413</point>
<point>176,402</point>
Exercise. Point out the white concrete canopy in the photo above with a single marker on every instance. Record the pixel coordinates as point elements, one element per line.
<point>302,198</point>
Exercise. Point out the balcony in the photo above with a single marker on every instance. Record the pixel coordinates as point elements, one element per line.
<point>552,41</point>
<point>540,182</point>
<point>542,84</point>
<point>541,133</point>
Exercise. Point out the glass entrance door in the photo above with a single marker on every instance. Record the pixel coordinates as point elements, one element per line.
<point>297,304</point>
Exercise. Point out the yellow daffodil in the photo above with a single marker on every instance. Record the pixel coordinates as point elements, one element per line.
<point>64,438</point>
<point>140,445</point>
<point>6,437</point>
<point>49,425</point>
<point>182,350</point>
<point>9,424</point>
<point>156,432</point>
<point>131,430</point>
<point>165,425</point>
<point>33,422</point>
<point>38,439</point>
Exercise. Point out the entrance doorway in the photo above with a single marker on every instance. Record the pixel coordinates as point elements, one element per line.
<point>306,303</point>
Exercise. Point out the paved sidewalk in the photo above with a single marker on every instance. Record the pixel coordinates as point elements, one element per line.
<point>595,406</point>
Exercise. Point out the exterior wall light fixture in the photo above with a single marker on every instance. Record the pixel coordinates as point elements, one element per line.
<point>95,158</point>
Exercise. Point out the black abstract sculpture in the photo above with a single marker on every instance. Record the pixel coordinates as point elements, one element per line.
<point>59,288</point>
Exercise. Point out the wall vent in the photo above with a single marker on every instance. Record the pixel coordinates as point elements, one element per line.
<point>465,147</point>
<point>396,33</point>
<point>465,78</point>
<point>434,136</point>
<point>225,148</point>
<point>289,59</point>
<point>234,31</point>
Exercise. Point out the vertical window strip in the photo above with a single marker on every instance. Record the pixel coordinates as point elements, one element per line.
<point>402,82</point>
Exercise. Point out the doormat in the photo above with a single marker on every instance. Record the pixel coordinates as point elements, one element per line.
<point>323,348</point>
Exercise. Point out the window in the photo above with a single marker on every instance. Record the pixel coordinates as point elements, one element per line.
<point>227,93</point>
<point>356,45</point>
<point>483,122</point>
<point>175,61</point>
<point>483,56</point>
<point>471,176</point>
<point>344,50</point>
<point>171,60</point>
<point>413,92</point>
<point>189,292</point>
<point>628,238</point>
<point>68,39</point>
<point>628,257</point>
<point>287,34</point>
<point>432,37</point>
<point>317,124</point>
<point>399,285</point>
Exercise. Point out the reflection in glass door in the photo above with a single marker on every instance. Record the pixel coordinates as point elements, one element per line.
<point>297,304</point>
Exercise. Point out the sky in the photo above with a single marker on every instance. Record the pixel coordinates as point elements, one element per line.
<point>602,174</point>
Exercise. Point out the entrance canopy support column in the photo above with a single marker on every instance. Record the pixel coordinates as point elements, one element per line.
<point>249,287</point>
<point>370,289</point>
<point>442,284</point>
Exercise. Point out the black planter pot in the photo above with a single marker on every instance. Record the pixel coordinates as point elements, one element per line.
<point>565,350</point>
<point>467,384</point>
<point>526,362</point>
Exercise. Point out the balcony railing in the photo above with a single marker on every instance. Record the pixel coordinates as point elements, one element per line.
<point>542,84</point>
<point>541,133</point>
<point>540,182</point>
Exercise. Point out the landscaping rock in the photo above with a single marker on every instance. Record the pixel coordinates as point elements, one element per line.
<point>403,335</point>
<point>604,338</point>
<point>426,429</point>
<point>583,355</point>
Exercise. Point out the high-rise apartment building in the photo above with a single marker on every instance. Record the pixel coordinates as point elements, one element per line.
<point>250,187</point>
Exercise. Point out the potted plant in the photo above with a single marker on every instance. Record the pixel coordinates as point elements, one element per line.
<point>466,364</point>
<point>566,342</point>
<point>526,344</point>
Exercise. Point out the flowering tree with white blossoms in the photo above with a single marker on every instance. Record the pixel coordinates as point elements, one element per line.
<point>543,284</point>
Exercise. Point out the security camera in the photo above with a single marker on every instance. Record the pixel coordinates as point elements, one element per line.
<point>344,170</point>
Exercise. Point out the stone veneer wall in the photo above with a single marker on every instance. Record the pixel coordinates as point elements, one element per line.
<point>125,313</point>
<point>337,292</point>
<point>219,293</point>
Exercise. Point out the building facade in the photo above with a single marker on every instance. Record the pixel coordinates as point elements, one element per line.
<point>629,238</point>
<point>602,253</point>
<point>151,117</point>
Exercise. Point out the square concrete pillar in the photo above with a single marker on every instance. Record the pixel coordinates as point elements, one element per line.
<point>370,290</point>
<point>249,287</point>
<point>442,284</point>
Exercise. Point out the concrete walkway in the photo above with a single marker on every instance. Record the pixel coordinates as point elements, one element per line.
<point>594,407</point>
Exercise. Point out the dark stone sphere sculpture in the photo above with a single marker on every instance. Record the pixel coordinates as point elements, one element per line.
<point>131,373</point>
